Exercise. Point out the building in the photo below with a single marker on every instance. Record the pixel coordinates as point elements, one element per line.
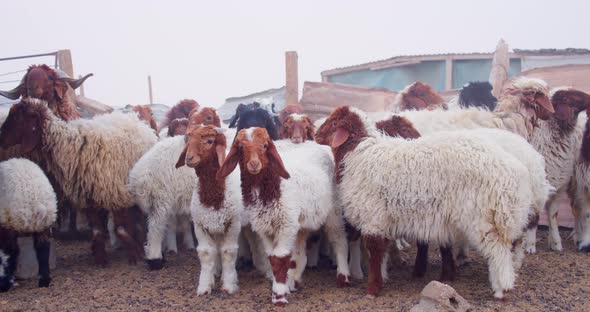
<point>447,72</point>
<point>267,97</point>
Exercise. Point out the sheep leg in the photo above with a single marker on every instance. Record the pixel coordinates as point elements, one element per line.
<point>9,251</point>
<point>554,239</point>
<point>448,263</point>
<point>97,218</point>
<point>121,220</point>
<point>115,243</point>
<point>518,250</point>
<point>313,250</point>
<point>353,235</point>
<point>153,249</point>
<point>336,234</point>
<point>259,259</point>
<point>187,236</point>
<point>170,241</point>
<point>581,212</point>
<point>531,234</point>
<point>137,224</point>
<point>421,262</point>
<point>377,247</point>
<point>280,260</point>
<point>208,255</point>
<point>42,247</point>
<point>298,265</point>
<point>229,255</point>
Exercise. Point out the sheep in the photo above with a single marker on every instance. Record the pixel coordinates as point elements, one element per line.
<point>252,115</point>
<point>53,86</point>
<point>90,160</point>
<point>28,205</point>
<point>282,213</point>
<point>216,207</point>
<point>180,110</point>
<point>559,140</point>
<point>418,96</point>
<point>288,110</point>
<point>164,193</point>
<point>477,94</point>
<point>580,193</point>
<point>145,113</point>
<point>491,192</point>
<point>297,128</point>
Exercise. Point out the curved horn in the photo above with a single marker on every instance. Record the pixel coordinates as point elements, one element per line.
<point>15,93</point>
<point>75,83</point>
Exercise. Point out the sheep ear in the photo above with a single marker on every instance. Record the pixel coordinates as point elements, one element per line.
<point>60,88</point>
<point>230,162</point>
<point>275,161</point>
<point>220,150</point>
<point>542,100</point>
<point>340,137</point>
<point>182,159</point>
<point>310,131</point>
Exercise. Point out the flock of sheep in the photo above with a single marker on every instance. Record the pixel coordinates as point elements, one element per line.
<point>474,173</point>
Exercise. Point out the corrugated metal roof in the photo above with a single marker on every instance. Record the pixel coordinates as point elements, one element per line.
<point>567,51</point>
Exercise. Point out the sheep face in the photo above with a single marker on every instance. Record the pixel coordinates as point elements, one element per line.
<point>178,126</point>
<point>421,96</point>
<point>533,97</point>
<point>42,82</point>
<point>288,110</point>
<point>204,116</point>
<point>203,145</point>
<point>23,125</point>
<point>181,110</point>
<point>569,103</point>
<point>297,128</point>
<point>398,126</point>
<point>341,125</point>
<point>256,152</point>
<point>144,112</point>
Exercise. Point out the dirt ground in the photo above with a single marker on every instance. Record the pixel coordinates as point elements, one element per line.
<point>548,281</point>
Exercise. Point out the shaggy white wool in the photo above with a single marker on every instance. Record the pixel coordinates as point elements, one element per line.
<point>27,200</point>
<point>91,159</point>
<point>297,117</point>
<point>534,84</point>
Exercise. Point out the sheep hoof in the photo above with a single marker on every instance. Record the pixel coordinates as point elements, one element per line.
<point>531,250</point>
<point>44,281</point>
<point>203,291</point>
<point>279,300</point>
<point>343,281</point>
<point>230,290</point>
<point>155,264</point>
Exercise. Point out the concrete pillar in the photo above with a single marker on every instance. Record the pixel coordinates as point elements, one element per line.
<point>449,74</point>
<point>292,78</point>
<point>27,266</point>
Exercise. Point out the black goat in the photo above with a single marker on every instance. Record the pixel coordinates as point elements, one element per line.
<point>252,115</point>
<point>477,94</point>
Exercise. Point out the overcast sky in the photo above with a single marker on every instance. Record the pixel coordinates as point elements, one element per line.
<point>212,50</point>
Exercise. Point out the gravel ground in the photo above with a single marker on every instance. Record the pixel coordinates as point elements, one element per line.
<point>548,281</point>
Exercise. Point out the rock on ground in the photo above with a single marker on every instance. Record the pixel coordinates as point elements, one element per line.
<point>441,297</point>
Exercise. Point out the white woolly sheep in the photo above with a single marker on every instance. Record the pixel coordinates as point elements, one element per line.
<point>284,212</point>
<point>216,208</point>
<point>27,206</point>
<point>89,159</point>
<point>490,202</point>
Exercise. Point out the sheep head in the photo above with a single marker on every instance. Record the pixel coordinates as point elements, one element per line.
<point>398,126</point>
<point>42,82</point>
<point>342,125</point>
<point>420,96</point>
<point>145,113</point>
<point>204,145</point>
<point>204,116</point>
<point>254,150</point>
<point>532,96</point>
<point>182,109</point>
<point>568,103</point>
<point>177,126</point>
<point>24,125</point>
<point>288,110</point>
<point>477,94</point>
<point>297,128</point>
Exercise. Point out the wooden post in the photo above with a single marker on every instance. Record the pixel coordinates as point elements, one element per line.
<point>292,79</point>
<point>64,61</point>
<point>150,89</point>
<point>81,88</point>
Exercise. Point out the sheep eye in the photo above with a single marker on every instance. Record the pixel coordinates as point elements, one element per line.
<point>265,146</point>
<point>209,118</point>
<point>209,141</point>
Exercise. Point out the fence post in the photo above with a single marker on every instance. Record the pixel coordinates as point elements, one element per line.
<point>292,79</point>
<point>150,89</point>
<point>64,61</point>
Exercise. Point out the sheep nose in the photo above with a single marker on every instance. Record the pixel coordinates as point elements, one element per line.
<point>254,164</point>
<point>296,139</point>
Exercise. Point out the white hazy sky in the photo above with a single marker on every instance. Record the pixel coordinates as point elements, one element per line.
<point>212,50</point>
